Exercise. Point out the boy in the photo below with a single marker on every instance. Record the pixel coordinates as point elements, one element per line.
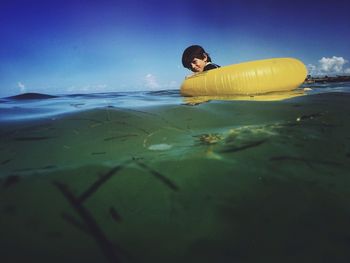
<point>197,60</point>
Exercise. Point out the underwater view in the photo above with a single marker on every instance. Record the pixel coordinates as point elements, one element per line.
<point>156,177</point>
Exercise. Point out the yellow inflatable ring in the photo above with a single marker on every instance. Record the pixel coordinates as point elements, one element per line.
<point>248,78</point>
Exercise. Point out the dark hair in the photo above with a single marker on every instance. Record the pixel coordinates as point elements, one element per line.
<point>192,52</point>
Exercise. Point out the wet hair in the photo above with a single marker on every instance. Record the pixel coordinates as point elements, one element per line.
<point>193,52</point>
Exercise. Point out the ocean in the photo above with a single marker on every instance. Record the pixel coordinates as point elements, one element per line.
<point>155,177</point>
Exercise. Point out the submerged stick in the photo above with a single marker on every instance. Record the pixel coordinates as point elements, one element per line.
<point>105,244</point>
<point>120,137</point>
<point>70,219</point>
<point>115,215</point>
<point>34,138</point>
<point>97,184</point>
<point>244,147</point>
<point>5,161</point>
<point>158,175</point>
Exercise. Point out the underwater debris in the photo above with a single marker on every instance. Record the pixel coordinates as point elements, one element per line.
<point>104,178</point>
<point>11,180</point>
<point>209,138</point>
<point>115,215</point>
<point>98,153</point>
<point>106,246</point>
<point>33,138</point>
<point>6,161</point>
<point>158,175</point>
<point>120,137</point>
<point>309,117</point>
<point>73,221</point>
<point>244,146</point>
<point>136,158</point>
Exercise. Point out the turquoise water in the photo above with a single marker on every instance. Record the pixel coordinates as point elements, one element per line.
<point>149,177</point>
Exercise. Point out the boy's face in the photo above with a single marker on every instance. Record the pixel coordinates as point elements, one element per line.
<point>197,64</point>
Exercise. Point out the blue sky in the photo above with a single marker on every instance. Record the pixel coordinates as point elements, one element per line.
<point>60,47</point>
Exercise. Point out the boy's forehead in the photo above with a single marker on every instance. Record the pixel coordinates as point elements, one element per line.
<point>196,59</point>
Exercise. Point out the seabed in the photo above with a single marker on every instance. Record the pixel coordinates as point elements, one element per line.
<point>222,181</point>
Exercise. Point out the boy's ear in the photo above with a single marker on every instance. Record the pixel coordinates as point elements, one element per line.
<point>205,57</point>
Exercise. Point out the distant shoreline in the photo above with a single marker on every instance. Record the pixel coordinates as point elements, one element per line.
<point>326,79</point>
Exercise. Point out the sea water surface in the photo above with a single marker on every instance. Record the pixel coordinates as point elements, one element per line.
<point>32,105</point>
<point>155,177</point>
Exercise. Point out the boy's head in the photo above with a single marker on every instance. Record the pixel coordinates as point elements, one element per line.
<point>194,58</point>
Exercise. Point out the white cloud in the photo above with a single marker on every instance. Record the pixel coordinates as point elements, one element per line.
<point>329,66</point>
<point>22,87</point>
<point>334,64</point>
<point>312,69</point>
<point>151,82</point>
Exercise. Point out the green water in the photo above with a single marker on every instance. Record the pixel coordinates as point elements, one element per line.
<point>218,182</point>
